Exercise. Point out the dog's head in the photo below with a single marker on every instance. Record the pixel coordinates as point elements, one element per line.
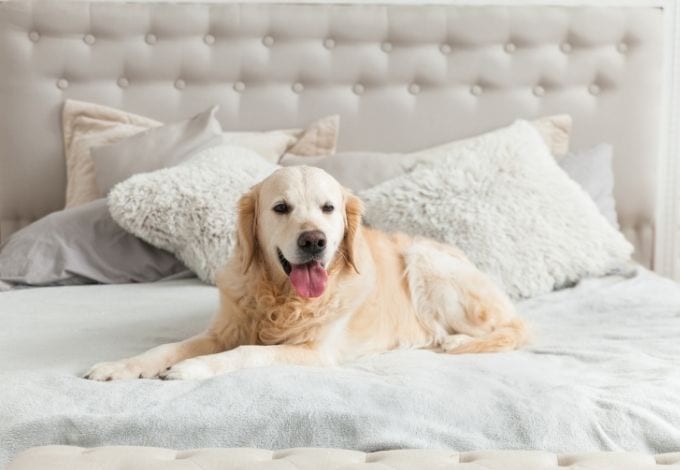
<point>299,222</point>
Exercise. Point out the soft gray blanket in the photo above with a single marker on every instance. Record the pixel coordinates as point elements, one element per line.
<point>602,373</point>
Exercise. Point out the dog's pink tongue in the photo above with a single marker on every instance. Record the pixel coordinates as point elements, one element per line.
<point>309,280</point>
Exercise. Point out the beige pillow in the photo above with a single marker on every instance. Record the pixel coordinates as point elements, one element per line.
<point>86,125</point>
<point>556,132</point>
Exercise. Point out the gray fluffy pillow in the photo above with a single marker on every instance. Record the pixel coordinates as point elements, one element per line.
<point>504,200</point>
<point>190,209</point>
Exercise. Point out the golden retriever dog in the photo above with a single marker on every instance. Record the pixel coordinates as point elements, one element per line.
<point>308,284</point>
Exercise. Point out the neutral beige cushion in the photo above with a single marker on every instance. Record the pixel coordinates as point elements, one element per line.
<point>143,458</point>
<point>86,125</point>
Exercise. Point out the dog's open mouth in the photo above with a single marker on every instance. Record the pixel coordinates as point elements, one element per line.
<point>308,279</point>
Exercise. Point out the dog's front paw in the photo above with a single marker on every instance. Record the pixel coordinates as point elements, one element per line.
<point>118,370</point>
<point>190,369</point>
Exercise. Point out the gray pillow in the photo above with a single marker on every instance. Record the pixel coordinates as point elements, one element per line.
<point>591,169</point>
<point>154,149</point>
<point>82,245</point>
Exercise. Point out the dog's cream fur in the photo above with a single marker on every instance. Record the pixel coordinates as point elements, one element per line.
<point>383,292</point>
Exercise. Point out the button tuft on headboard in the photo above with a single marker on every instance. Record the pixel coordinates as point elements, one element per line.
<point>594,89</point>
<point>34,36</point>
<point>566,47</point>
<point>239,87</point>
<point>62,84</point>
<point>329,43</point>
<point>89,39</point>
<point>151,38</point>
<point>180,84</point>
<point>297,87</point>
<point>509,47</point>
<point>386,47</point>
<point>538,91</point>
<point>476,90</point>
<point>123,82</point>
<point>209,39</point>
<point>268,41</point>
<point>445,49</point>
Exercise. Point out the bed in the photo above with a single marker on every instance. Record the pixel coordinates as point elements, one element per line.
<point>600,373</point>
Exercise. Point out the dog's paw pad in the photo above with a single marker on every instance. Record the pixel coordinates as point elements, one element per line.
<point>191,369</point>
<point>118,370</point>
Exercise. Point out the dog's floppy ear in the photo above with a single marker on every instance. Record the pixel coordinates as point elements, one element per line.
<point>354,209</point>
<point>246,236</point>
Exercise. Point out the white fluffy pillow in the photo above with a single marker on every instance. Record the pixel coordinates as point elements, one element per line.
<point>190,209</point>
<point>503,200</point>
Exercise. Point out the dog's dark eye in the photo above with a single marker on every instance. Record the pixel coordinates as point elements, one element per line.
<point>328,207</point>
<point>281,208</point>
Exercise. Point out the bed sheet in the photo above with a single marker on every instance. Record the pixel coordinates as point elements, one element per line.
<point>602,373</point>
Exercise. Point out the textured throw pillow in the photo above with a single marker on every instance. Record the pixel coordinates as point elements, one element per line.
<point>154,149</point>
<point>80,246</point>
<point>87,125</point>
<point>190,209</point>
<point>591,169</point>
<point>503,199</point>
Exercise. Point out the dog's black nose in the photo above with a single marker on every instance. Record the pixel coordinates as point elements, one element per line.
<point>312,242</point>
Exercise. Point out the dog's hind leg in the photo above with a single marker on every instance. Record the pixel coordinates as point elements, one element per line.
<point>462,307</point>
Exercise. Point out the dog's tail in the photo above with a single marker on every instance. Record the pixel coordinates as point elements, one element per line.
<point>506,337</point>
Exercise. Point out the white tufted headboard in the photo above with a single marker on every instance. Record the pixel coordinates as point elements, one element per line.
<point>401,76</point>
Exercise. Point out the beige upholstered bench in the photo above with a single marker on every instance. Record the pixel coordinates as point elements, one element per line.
<point>147,458</point>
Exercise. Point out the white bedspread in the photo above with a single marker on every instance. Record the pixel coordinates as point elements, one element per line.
<point>602,373</point>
